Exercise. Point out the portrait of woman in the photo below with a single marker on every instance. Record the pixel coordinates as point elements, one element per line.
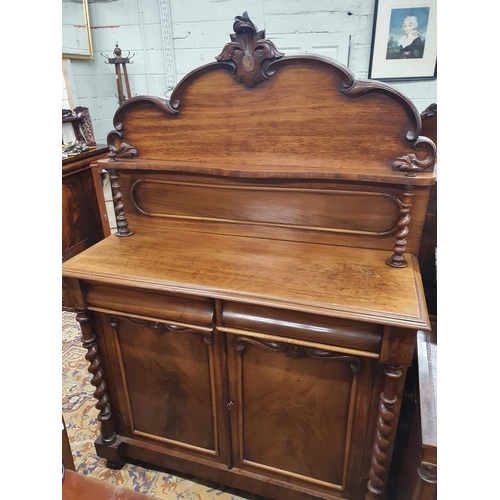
<point>410,45</point>
<point>407,32</point>
<point>404,40</point>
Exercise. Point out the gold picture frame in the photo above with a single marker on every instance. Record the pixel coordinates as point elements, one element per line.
<point>76,37</point>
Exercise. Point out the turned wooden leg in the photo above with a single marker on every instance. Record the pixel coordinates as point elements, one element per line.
<point>397,259</point>
<point>121,218</point>
<point>107,425</point>
<point>385,422</point>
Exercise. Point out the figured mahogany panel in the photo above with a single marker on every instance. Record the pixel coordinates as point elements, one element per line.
<point>254,104</point>
<point>168,375</point>
<point>334,213</point>
<point>331,210</point>
<point>300,116</point>
<point>285,392</point>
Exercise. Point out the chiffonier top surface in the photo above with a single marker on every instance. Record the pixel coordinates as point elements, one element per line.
<point>352,283</point>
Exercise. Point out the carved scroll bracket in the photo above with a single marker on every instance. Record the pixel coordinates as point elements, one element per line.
<point>123,151</point>
<point>296,351</point>
<point>430,110</point>
<point>411,164</point>
<point>162,328</point>
<point>249,51</point>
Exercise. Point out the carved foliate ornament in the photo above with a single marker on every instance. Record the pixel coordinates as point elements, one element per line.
<point>123,151</point>
<point>296,351</point>
<point>249,51</point>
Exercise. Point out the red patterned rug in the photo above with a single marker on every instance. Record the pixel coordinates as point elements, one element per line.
<point>80,416</point>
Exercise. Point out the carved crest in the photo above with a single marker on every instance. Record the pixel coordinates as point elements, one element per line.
<point>249,51</point>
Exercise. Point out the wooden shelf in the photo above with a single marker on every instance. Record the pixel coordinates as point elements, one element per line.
<point>67,119</point>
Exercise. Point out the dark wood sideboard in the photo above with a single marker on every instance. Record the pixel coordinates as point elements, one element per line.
<point>254,316</point>
<point>81,218</point>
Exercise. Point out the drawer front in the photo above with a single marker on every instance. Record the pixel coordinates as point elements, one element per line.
<point>174,308</point>
<point>297,325</point>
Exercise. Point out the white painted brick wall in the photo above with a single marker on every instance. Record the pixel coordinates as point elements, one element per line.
<point>200,28</point>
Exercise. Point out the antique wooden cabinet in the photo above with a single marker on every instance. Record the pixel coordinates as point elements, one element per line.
<point>81,220</point>
<point>253,318</point>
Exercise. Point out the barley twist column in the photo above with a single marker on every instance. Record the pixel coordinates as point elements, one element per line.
<point>101,394</point>
<point>397,259</point>
<point>386,416</point>
<point>121,218</point>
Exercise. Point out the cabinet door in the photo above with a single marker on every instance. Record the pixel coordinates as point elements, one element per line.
<point>299,414</point>
<point>165,382</point>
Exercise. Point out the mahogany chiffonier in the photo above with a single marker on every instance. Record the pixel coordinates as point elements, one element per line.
<point>252,320</point>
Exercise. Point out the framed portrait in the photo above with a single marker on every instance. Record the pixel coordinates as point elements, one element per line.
<point>404,41</point>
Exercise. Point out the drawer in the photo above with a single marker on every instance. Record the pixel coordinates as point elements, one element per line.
<point>153,304</point>
<point>303,326</point>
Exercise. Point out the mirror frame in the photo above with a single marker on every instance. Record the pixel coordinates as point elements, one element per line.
<point>90,55</point>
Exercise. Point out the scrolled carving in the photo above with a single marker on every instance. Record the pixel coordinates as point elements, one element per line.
<point>162,328</point>
<point>296,351</point>
<point>239,344</point>
<point>430,110</point>
<point>319,353</point>
<point>115,136</point>
<point>410,162</point>
<point>249,50</point>
<point>123,151</point>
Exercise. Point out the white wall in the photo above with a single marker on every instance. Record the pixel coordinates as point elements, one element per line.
<point>194,35</point>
